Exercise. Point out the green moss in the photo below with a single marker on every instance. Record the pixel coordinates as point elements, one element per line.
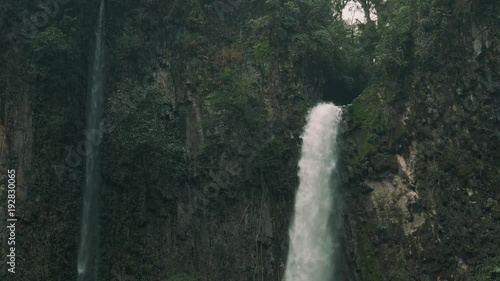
<point>362,144</point>
<point>261,51</point>
<point>370,119</point>
<point>368,110</point>
<point>368,251</point>
<point>488,271</point>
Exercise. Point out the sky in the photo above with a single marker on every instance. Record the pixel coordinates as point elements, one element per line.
<point>353,12</point>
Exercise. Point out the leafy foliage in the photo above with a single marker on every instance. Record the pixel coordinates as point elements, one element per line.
<point>488,271</point>
<point>237,96</point>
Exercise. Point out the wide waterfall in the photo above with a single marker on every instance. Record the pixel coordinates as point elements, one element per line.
<point>313,235</point>
<point>88,255</point>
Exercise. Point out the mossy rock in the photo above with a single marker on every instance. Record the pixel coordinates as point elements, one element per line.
<point>370,117</point>
<point>369,110</point>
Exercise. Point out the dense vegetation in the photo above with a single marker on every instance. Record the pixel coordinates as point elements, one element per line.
<point>201,91</point>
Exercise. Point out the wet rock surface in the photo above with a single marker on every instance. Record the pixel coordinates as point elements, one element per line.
<point>423,204</point>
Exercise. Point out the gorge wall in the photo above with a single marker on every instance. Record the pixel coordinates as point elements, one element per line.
<point>422,157</point>
<point>200,137</point>
<point>204,105</point>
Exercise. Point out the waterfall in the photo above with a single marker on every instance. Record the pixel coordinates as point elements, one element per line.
<point>313,235</point>
<point>88,254</point>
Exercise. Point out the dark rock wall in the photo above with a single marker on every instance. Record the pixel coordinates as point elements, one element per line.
<point>204,109</point>
<point>423,164</point>
<point>199,140</point>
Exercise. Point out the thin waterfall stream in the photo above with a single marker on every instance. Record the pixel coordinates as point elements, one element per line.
<point>312,254</point>
<point>88,254</point>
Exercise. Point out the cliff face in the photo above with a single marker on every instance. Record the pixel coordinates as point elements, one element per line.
<point>205,102</point>
<point>201,159</point>
<point>199,140</point>
<point>422,161</point>
<point>43,101</point>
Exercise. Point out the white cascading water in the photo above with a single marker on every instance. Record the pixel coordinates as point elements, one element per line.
<point>88,253</point>
<point>311,255</point>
